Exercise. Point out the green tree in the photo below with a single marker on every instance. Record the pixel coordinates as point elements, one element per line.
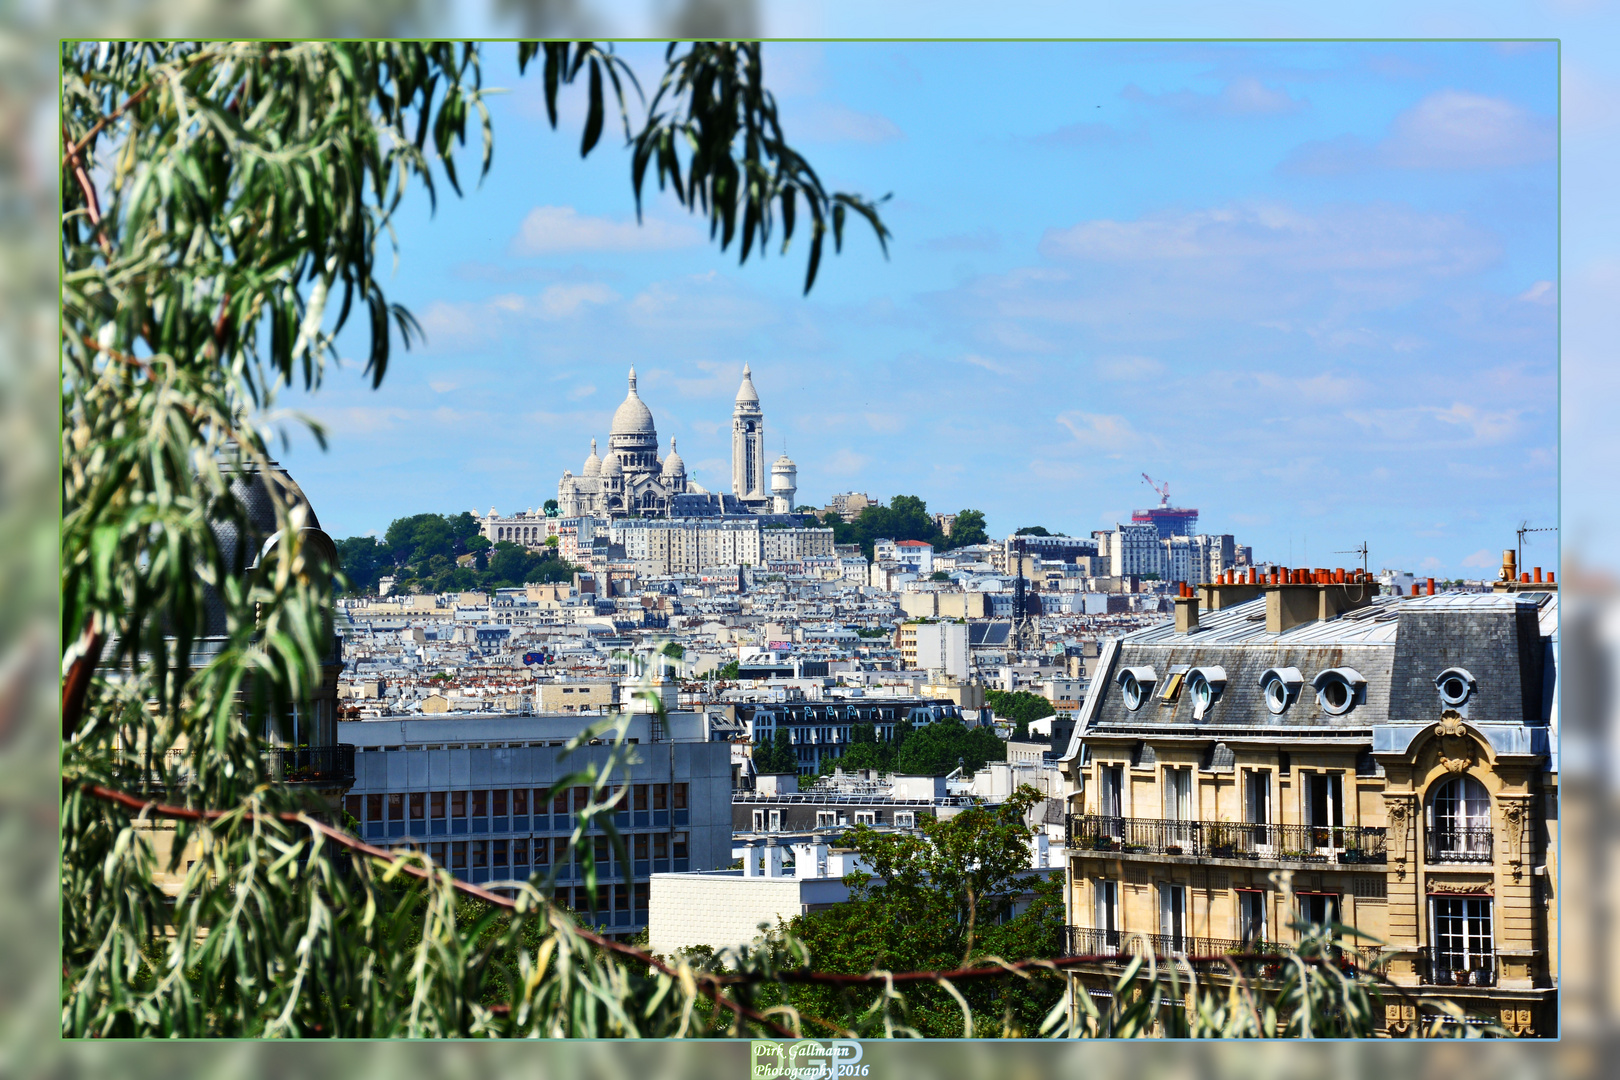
<point>967,529</point>
<point>940,901</point>
<point>363,561</point>
<point>1033,530</point>
<point>221,204</point>
<point>778,756</point>
<point>1020,706</point>
<point>935,749</point>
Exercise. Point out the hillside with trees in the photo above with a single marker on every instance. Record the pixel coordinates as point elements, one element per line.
<point>906,518</point>
<point>435,553</point>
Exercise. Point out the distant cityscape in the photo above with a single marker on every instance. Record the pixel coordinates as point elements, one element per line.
<point>1155,684</point>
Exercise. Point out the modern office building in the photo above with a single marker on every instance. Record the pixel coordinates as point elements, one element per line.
<point>478,794</point>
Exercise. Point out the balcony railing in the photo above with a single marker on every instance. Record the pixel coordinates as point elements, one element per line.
<point>327,765</point>
<point>1088,941</point>
<point>1441,967</point>
<point>1227,840</point>
<point>312,765</point>
<point>1458,843</point>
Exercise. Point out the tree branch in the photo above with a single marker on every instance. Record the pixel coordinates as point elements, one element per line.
<point>93,204</point>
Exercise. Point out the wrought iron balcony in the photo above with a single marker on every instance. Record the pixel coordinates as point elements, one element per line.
<point>1459,843</point>
<point>1343,844</point>
<point>325,765</point>
<point>1088,941</point>
<point>1444,967</point>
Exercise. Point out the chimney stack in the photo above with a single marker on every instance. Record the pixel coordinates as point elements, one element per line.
<point>1186,613</point>
<point>1510,569</point>
<point>1431,586</point>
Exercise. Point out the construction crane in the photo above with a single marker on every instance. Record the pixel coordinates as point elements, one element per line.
<point>1163,492</point>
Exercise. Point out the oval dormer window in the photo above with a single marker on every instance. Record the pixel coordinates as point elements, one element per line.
<point>1204,684</point>
<point>1131,687</point>
<point>1135,685</point>
<point>1336,690</point>
<point>1456,686</point>
<point>1280,685</point>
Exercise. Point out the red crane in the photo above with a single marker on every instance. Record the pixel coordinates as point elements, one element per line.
<point>1163,492</point>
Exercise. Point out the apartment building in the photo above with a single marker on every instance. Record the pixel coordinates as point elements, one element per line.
<point>1396,756</point>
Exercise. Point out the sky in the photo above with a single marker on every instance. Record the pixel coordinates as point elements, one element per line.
<point>1311,286</point>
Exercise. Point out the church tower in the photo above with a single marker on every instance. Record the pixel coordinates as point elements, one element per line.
<point>748,472</point>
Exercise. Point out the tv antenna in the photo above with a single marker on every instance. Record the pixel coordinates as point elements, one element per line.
<point>1362,551</point>
<point>1524,527</point>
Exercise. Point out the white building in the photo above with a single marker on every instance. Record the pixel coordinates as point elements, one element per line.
<point>1134,550</point>
<point>943,646</point>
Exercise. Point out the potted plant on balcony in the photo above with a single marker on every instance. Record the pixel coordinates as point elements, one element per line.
<point>1135,849</point>
<point>1222,840</point>
<point>1104,843</point>
<point>1172,849</point>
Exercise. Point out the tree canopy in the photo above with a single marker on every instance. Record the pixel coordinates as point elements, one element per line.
<point>906,518</point>
<point>426,552</point>
<point>1020,706</point>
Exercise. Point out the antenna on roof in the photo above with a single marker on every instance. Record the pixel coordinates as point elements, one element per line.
<point>1362,551</point>
<point>1524,527</point>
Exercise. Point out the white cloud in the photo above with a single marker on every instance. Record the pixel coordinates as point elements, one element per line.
<point>1244,95</point>
<point>580,392</point>
<point>1481,558</point>
<point>561,301</point>
<point>989,365</point>
<point>1127,368</point>
<point>885,423</point>
<point>844,463</point>
<point>551,229</point>
<point>1449,129</point>
<point>439,386</point>
<point>1542,292</point>
<point>1100,431</point>
<point>831,122</point>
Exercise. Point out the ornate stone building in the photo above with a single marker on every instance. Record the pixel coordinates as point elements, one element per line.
<point>1313,752</point>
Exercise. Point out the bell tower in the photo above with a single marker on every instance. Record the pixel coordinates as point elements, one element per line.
<point>748,470</point>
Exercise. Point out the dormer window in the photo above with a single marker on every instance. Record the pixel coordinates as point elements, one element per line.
<point>1337,690</point>
<point>1280,687</point>
<point>1204,685</point>
<point>1135,684</point>
<point>1456,686</point>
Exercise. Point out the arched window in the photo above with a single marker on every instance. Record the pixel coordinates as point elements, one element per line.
<point>1460,821</point>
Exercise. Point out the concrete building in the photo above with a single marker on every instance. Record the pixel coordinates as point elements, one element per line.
<point>784,485</point>
<point>822,729</point>
<point>940,646</point>
<point>1134,550</point>
<point>476,794</point>
<point>784,544</point>
<point>1398,756</point>
<point>575,697</point>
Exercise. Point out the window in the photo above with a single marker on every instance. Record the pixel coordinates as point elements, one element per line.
<point>640,795</point>
<point>865,817</point>
<point>582,799</point>
<point>436,805</point>
<point>660,845</point>
<point>500,802</point>
<point>458,804</point>
<point>905,819</point>
<point>1111,797</point>
<point>418,804</point>
<point>775,824</point>
<point>679,844</point>
<point>826,818</point>
<point>1251,915</point>
<point>1336,690</point>
<point>639,843</point>
<point>1178,809</point>
<point>759,820</point>
<point>355,807</point>
<point>1460,821</point>
<point>1463,953</point>
<point>660,796</point>
<point>520,801</point>
<point>480,854</point>
<point>1134,685</point>
<point>458,855</point>
<point>520,852</point>
<point>559,804</point>
<point>1172,690</point>
<point>643,897</point>
<point>1456,685</point>
<point>1106,903</point>
<point>396,806</point>
<point>374,808</point>
<point>498,853</point>
<point>1319,908</point>
<point>436,852</point>
<point>480,804</point>
<point>679,801</point>
<point>1257,805</point>
<point>1276,695</point>
<point>1324,809</point>
<point>1173,916</point>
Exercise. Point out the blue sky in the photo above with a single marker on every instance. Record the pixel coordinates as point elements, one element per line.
<point>1313,286</point>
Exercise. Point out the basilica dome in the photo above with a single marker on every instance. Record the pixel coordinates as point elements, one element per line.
<point>633,417</point>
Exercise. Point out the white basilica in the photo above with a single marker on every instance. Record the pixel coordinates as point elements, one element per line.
<point>631,480</point>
